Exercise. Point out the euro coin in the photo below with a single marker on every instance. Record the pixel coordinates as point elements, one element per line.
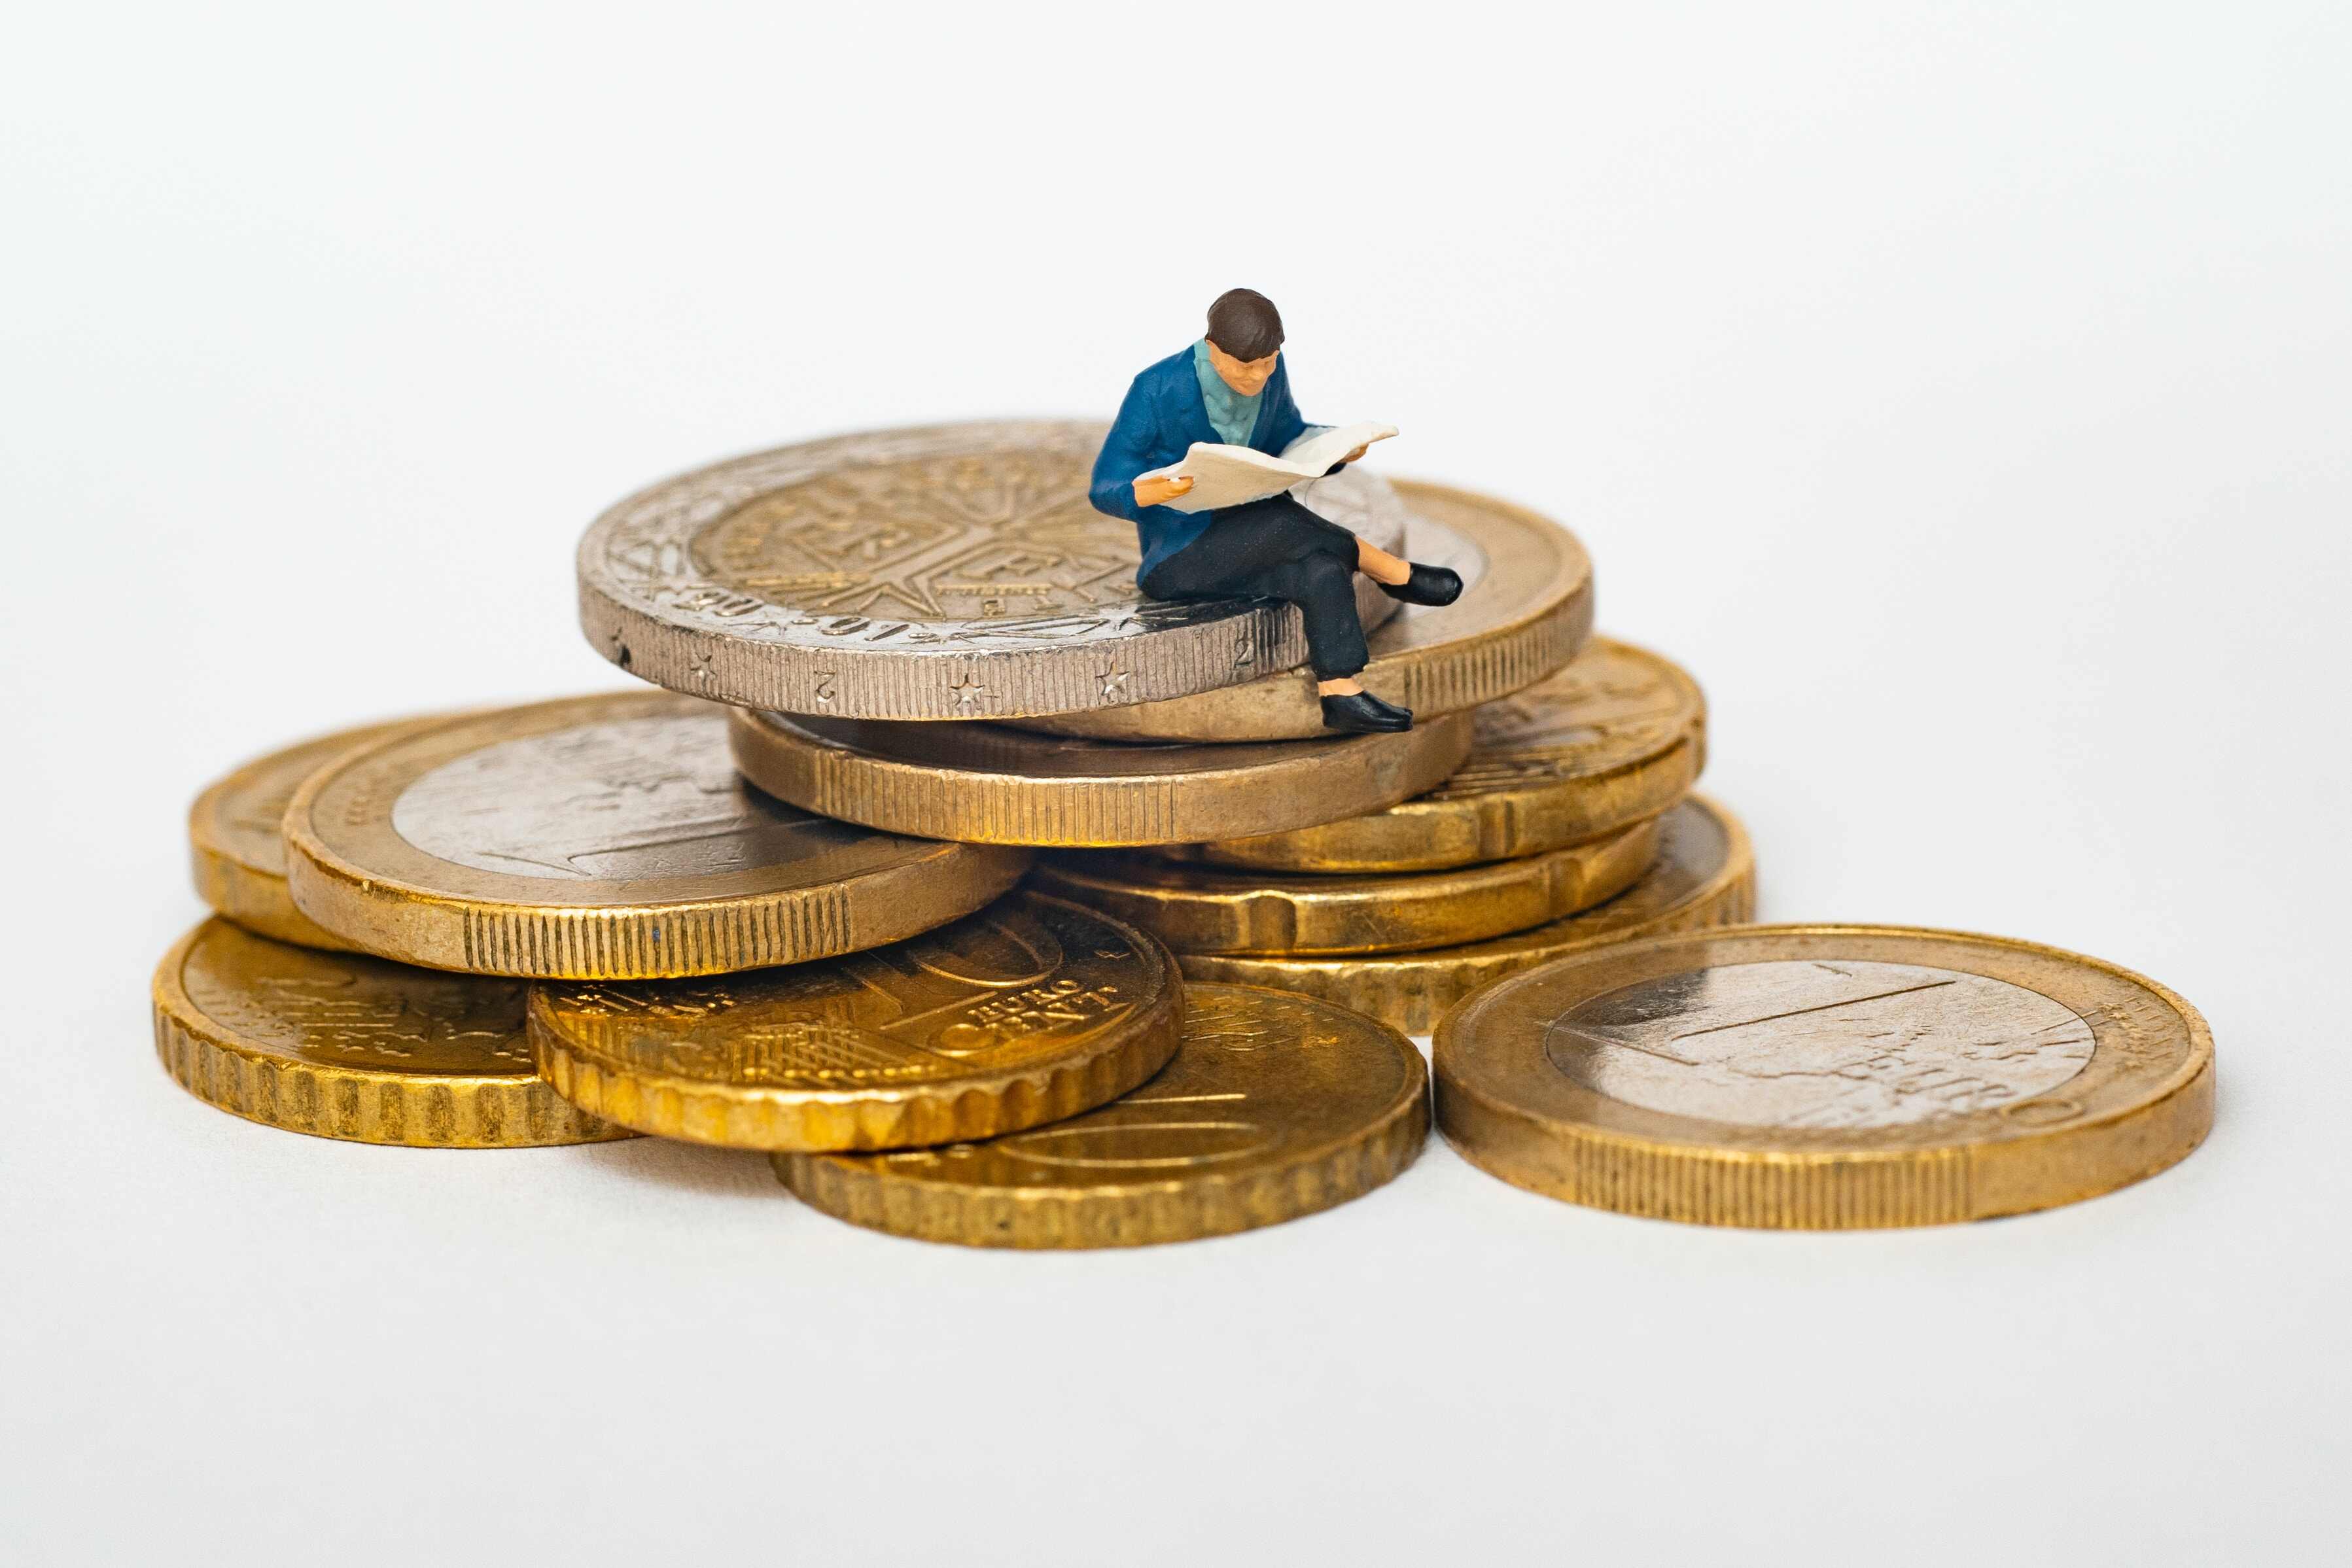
<point>342,1046</point>
<point>946,571</point>
<point>602,838</point>
<point>1824,1077</point>
<point>235,850</point>
<point>1704,876</point>
<point>1273,1107</point>
<point>1210,909</point>
<point>1615,737</point>
<point>990,784</point>
<point>1030,1012</point>
<point>1526,608</point>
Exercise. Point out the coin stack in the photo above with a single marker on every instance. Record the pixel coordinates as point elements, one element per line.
<point>997,904</point>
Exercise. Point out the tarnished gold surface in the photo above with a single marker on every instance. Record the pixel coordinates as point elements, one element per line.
<point>1210,909</point>
<point>1032,1010</point>
<point>1824,1076</point>
<point>1617,736</point>
<point>988,784</point>
<point>235,850</point>
<point>1704,876</point>
<point>602,838</point>
<point>1273,1107</point>
<point>937,571</point>
<point>1525,608</point>
<point>342,1046</point>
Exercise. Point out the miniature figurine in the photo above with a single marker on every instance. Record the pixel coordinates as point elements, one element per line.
<point>1231,388</point>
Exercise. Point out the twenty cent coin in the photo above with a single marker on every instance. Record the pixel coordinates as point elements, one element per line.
<point>237,851</point>
<point>349,1047</point>
<point>1824,1076</point>
<point>1526,608</point>
<point>1210,909</point>
<point>1029,1011</point>
<point>985,783</point>
<point>949,571</point>
<point>1704,876</point>
<point>1273,1107</point>
<point>1616,737</point>
<point>602,838</point>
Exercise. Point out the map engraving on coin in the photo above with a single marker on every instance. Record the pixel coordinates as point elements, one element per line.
<point>949,571</point>
<point>605,837</point>
<point>1820,1044</point>
<point>1273,1107</point>
<point>1823,1077</point>
<point>1029,1010</point>
<point>620,802</point>
<point>344,1046</point>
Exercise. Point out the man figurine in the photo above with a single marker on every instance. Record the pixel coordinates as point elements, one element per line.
<point>1231,387</point>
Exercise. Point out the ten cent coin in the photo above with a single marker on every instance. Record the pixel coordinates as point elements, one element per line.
<point>1210,909</point>
<point>237,851</point>
<point>1273,1107</point>
<point>1616,737</point>
<point>1526,608</point>
<point>1824,1076</point>
<point>1704,876</point>
<point>1029,1011</point>
<point>354,1047</point>
<point>602,838</point>
<point>948,571</point>
<point>985,783</point>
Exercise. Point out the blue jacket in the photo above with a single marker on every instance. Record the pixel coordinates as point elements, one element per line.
<point>1162,416</point>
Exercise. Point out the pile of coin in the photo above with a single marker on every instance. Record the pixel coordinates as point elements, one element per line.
<point>998,904</point>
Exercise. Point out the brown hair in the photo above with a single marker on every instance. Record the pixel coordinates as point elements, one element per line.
<point>1245,324</point>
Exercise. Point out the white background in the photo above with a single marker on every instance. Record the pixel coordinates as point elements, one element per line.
<point>1963,393</point>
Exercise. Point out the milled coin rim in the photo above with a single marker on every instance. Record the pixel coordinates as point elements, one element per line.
<point>1140,1213</point>
<point>346,1104</point>
<point>1236,639</point>
<point>1501,823</point>
<point>252,894</point>
<point>1218,909</point>
<point>1973,1165</point>
<point>1265,788</point>
<point>767,1118</point>
<point>1410,990</point>
<point>368,885</point>
<point>1433,660</point>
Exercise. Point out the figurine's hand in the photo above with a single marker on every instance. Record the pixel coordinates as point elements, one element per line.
<point>1357,455</point>
<point>1151,492</point>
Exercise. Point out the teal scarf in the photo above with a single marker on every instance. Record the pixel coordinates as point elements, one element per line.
<point>1230,415</point>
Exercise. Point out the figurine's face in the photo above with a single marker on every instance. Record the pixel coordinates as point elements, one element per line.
<point>1246,377</point>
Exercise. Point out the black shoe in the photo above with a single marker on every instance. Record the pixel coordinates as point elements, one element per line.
<point>1360,713</point>
<point>1427,585</point>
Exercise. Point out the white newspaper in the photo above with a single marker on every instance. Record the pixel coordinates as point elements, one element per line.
<point>1228,476</point>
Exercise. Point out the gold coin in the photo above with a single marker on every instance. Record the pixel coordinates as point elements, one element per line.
<point>1275,1106</point>
<point>1032,1010</point>
<point>1617,736</point>
<point>1824,1077</point>
<point>602,838</point>
<point>237,851</point>
<point>342,1046</point>
<point>940,571</point>
<point>1209,909</point>
<point>988,784</point>
<point>1704,876</point>
<point>1526,608</point>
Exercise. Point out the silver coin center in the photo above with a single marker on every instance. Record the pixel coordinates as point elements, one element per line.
<point>631,798</point>
<point>1820,1045</point>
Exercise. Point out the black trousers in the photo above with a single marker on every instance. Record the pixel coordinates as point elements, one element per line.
<point>1276,549</point>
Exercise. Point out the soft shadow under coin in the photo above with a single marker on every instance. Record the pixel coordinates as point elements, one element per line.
<point>689,1167</point>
